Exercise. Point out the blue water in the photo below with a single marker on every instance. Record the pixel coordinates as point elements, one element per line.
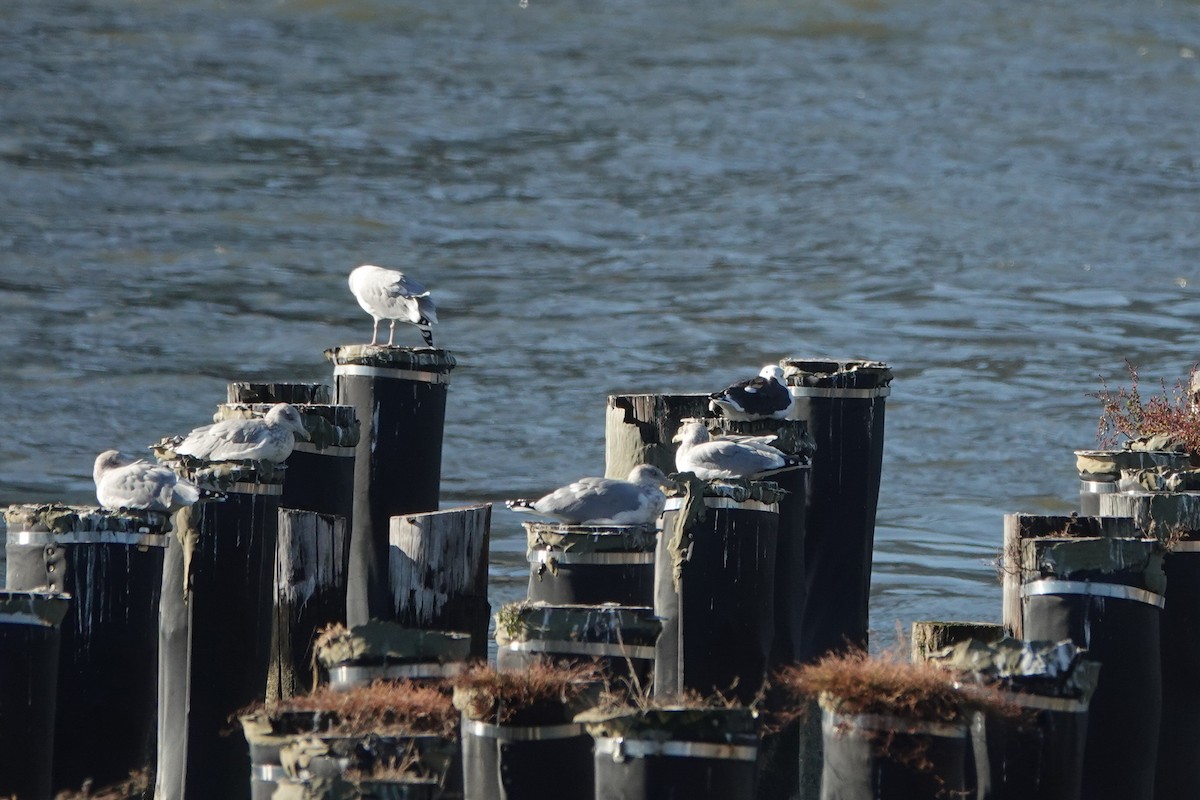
<point>999,200</point>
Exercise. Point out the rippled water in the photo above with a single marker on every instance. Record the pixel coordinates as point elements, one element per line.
<point>997,199</point>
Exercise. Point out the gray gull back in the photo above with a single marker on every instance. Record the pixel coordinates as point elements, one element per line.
<point>391,295</point>
<point>639,500</point>
<point>267,438</point>
<point>713,459</point>
<point>125,483</point>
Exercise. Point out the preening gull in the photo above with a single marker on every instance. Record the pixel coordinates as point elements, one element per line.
<point>391,295</point>
<point>604,501</point>
<point>267,438</point>
<point>764,396</point>
<point>711,459</point>
<point>124,482</point>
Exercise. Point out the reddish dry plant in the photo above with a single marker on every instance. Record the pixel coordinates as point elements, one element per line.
<point>135,786</point>
<point>1126,414</point>
<point>542,689</point>
<point>405,706</point>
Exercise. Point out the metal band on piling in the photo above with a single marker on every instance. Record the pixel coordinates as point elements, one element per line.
<point>888,722</point>
<point>829,391</point>
<point>1090,589</point>
<point>1185,546</point>
<point>26,618</point>
<point>562,647</point>
<point>620,749</point>
<point>333,450</point>
<point>257,488</point>
<point>87,537</point>
<point>521,733</point>
<point>676,503</point>
<point>560,557</point>
<point>353,675</point>
<point>1041,702</point>
<point>398,374</point>
<point>268,773</point>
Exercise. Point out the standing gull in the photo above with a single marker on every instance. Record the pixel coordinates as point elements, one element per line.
<point>764,396</point>
<point>125,483</point>
<point>712,459</point>
<point>604,501</point>
<point>391,295</point>
<point>267,438</point>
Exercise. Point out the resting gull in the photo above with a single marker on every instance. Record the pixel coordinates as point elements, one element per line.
<point>712,459</point>
<point>267,438</point>
<point>124,482</point>
<point>604,501</point>
<point>391,295</point>
<point>764,396</point>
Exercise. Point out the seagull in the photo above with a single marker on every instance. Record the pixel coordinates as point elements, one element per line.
<point>267,438</point>
<point>391,295</point>
<point>764,396</point>
<point>124,482</point>
<point>712,459</point>
<point>639,500</point>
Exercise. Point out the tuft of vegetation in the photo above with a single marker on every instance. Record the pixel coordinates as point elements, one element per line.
<point>544,693</point>
<point>135,787</point>
<point>407,707</point>
<point>1127,415</point>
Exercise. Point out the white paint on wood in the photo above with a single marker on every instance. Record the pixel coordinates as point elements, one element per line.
<point>310,555</point>
<point>436,556</point>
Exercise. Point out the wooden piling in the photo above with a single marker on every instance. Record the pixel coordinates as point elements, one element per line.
<point>438,570</point>
<point>929,636</point>
<point>111,565</point>
<point>1020,527</point>
<point>399,395</point>
<point>639,429</point>
<point>312,556</point>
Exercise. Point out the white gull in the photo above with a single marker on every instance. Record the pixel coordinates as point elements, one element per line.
<point>125,483</point>
<point>712,459</point>
<point>764,396</point>
<point>267,438</point>
<point>391,295</point>
<point>604,501</point>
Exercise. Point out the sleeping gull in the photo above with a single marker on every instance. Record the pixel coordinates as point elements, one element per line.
<point>124,482</point>
<point>764,396</point>
<point>391,295</point>
<point>712,459</point>
<point>604,501</point>
<point>267,438</point>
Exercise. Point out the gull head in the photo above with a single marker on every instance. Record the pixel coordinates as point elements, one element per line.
<point>772,371</point>
<point>285,415</point>
<point>649,475</point>
<point>109,459</point>
<point>691,433</point>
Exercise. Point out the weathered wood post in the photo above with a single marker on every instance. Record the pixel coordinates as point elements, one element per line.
<point>1175,518</point>
<point>714,589</point>
<point>639,429</point>
<point>1105,595</point>
<point>399,394</point>
<point>111,566</point>
<point>929,636</point>
<point>310,593</point>
<point>1100,470</point>
<point>590,564</point>
<point>1020,527</point>
<point>220,588</point>
<point>320,471</point>
<point>438,566</point>
<point>30,626</point>
<point>843,402</point>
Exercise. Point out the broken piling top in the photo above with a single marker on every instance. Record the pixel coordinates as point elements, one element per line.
<point>271,393</point>
<point>639,429</point>
<point>71,524</point>
<point>684,723</point>
<point>608,623</point>
<point>1107,465</point>
<point>328,426</point>
<point>42,609</point>
<point>930,636</point>
<point>1136,563</point>
<point>1050,669</point>
<point>561,538</point>
<point>848,376</point>
<point>379,643</point>
<point>426,364</point>
<point>1173,517</point>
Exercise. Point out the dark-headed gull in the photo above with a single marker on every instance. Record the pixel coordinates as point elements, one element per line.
<point>127,483</point>
<point>604,501</point>
<point>764,396</point>
<point>267,438</point>
<point>391,295</point>
<point>713,459</point>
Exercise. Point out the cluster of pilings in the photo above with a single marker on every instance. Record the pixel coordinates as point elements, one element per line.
<point>138,640</point>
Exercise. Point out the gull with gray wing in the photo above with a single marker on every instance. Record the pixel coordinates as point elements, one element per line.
<point>714,459</point>
<point>639,500</point>
<point>267,438</point>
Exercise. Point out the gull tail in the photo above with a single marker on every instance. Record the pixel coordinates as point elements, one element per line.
<point>521,506</point>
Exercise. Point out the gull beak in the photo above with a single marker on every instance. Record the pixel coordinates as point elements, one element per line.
<point>301,431</point>
<point>678,437</point>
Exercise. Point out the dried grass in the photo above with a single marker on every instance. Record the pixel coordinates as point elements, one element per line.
<point>543,692</point>
<point>136,786</point>
<point>409,707</point>
<point>1125,414</point>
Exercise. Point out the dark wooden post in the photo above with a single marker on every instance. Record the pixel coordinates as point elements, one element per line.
<point>843,402</point>
<point>30,629</point>
<point>399,394</point>
<point>111,566</point>
<point>439,568</point>
<point>310,593</point>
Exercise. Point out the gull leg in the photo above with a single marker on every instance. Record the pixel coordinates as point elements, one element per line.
<point>375,332</point>
<point>391,333</point>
